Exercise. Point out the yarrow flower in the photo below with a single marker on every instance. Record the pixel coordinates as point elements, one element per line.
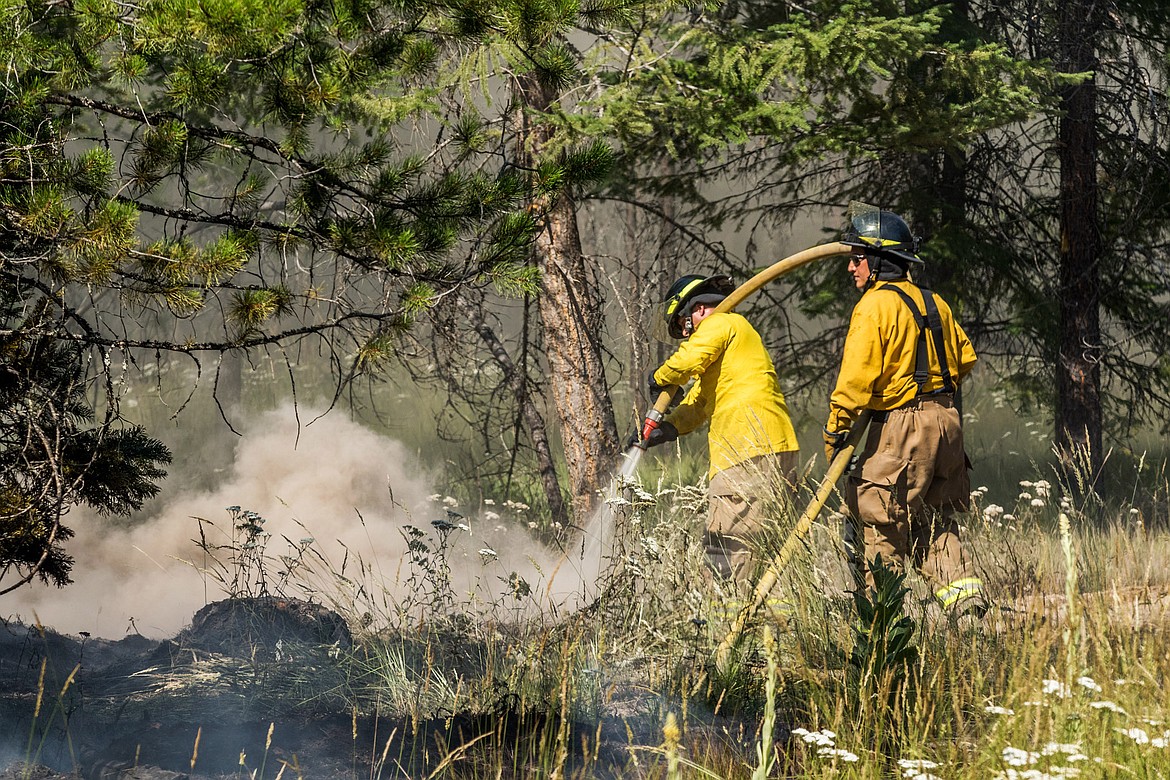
<point>487,554</point>
<point>1090,683</point>
<point>1013,756</point>
<point>1067,748</point>
<point>915,768</point>
<point>992,709</point>
<point>1055,687</point>
<point>823,738</point>
<point>1108,705</point>
<point>1139,736</point>
<point>844,755</point>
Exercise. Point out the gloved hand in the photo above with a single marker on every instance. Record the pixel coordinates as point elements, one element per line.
<point>663,433</point>
<point>653,387</point>
<point>834,441</point>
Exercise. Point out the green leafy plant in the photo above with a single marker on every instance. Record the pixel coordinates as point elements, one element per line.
<point>884,660</point>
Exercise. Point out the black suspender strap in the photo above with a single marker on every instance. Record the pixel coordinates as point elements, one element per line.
<point>936,333</point>
<point>930,323</point>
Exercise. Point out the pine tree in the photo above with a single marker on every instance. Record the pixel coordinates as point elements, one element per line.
<point>205,177</point>
<point>53,456</point>
<point>1048,233</point>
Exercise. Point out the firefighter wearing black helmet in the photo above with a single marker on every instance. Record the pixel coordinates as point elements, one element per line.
<point>751,441</point>
<point>904,358</point>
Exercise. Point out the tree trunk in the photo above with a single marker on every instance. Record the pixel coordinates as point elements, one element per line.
<point>533,419</point>
<point>1078,383</point>
<point>571,321</point>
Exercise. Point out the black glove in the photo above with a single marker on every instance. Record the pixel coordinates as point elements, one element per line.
<point>834,441</point>
<point>653,387</point>
<point>663,433</point>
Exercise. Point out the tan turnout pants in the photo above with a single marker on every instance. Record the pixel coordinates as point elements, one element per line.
<point>910,479</point>
<point>739,498</point>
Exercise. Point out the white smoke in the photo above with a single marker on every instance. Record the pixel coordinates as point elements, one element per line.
<point>349,489</point>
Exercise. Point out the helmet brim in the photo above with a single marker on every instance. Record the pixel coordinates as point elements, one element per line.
<point>899,256</point>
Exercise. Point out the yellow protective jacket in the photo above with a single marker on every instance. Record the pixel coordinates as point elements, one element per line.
<point>737,391</point>
<point>877,368</point>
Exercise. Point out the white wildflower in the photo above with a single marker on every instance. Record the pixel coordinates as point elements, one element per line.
<point>491,517</point>
<point>642,495</point>
<point>489,502</point>
<point>1090,683</point>
<point>1024,483</point>
<point>1068,748</point>
<point>1139,736</point>
<point>532,524</point>
<point>1133,510</point>
<point>916,763</point>
<point>450,501</point>
<point>821,738</point>
<point>992,709</point>
<point>916,768</point>
<point>1037,502</point>
<point>1025,496</point>
<point>844,755</point>
<point>488,554</point>
<point>1009,518</point>
<point>1057,688</point>
<point>435,497</point>
<point>1013,756</point>
<point>1112,706</point>
<point>1042,488</point>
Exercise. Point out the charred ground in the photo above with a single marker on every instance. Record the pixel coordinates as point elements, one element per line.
<point>266,687</point>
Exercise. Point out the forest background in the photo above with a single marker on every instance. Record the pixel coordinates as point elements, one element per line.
<point>477,205</point>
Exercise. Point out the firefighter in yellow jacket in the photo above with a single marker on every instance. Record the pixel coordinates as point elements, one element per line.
<point>904,358</point>
<point>751,440</point>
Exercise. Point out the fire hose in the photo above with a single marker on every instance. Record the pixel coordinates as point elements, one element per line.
<point>776,566</point>
<point>737,296</point>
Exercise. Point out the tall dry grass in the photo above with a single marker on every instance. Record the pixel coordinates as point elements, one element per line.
<point>1063,677</point>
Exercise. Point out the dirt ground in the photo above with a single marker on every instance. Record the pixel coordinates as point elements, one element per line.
<point>252,689</point>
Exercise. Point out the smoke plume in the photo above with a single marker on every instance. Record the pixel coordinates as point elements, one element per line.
<point>352,492</point>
